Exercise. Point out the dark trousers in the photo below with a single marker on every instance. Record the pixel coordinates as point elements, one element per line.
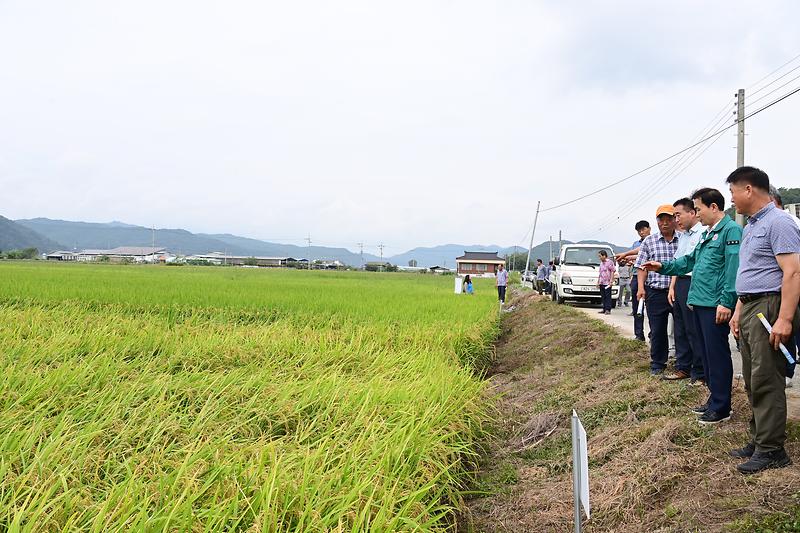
<point>687,347</point>
<point>605,297</point>
<point>716,355</point>
<point>638,321</point>
<point>501,293</point>
<point>658,311</point>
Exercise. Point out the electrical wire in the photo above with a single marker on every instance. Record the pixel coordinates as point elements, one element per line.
<point>719,118</point>
<point>792,60</point>
<point>673,177</point>
<point>676,154</point>
<point>751,102</point>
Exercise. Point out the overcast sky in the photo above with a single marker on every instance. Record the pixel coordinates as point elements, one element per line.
<point>408,123</point>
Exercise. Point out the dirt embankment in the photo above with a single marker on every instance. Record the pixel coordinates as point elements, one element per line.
<point>652,466</point>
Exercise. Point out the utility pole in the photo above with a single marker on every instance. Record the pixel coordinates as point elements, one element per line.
<point>308,240</point>
<point>361,252</point>
<point>551,249</point>
<point>514,259</point>
<point>740,140</point>
<point>381,247</point>
<point>559,243</point>
<point>153,251</point>
<point>533,232</point>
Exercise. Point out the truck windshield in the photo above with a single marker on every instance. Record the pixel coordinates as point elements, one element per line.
<point>582,256</point>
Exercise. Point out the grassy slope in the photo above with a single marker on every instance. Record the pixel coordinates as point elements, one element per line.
<point>156,398</point>
<point>652,467</point>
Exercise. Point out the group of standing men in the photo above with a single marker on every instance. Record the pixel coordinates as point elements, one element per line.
<point>714,278</point>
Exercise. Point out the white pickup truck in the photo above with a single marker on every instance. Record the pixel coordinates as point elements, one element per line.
<point>575,275</point>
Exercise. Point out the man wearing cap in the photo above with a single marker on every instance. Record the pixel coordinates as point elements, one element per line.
<point>660,247</point>
<point>712,295</point>
<point>768,284</point>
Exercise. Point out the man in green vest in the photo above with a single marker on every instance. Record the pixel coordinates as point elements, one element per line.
<point>712,295</point>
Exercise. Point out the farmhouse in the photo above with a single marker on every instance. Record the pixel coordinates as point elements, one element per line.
<point>478,263</point>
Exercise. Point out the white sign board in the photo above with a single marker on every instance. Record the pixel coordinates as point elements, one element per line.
<point>583,455</point>
<point>459,284</point>
<point>580,469</point>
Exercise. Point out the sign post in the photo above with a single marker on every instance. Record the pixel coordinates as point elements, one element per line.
<point>580,470</point>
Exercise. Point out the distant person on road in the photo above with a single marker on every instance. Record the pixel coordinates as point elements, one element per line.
<point>643,230</point>
<point>502,282</point>
<point>468,285</point>
<point>624,273</point>
<point>541,275</point>
<point>688,342</point>
<point>653,287</point>
<point>605,279</point>
<point>768,282</point>
<point>712,295</point>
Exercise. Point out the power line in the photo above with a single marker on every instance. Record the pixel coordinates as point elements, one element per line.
<point>661,187</point>
<point>664,160</point>
<point>776,80</point>
<point>776,89</point>
<point>719,118</point>
<point>792,60</point>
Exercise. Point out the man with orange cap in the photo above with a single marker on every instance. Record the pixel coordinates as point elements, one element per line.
<point>653,287</point>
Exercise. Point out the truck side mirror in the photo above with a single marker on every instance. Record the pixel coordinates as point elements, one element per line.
<point>556,261</point>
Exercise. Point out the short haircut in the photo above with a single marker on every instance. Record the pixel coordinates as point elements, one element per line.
<point>750,175</point>
<point>642,224</point>
<point>775,195</point>
<point>603,253</point>
<point>539,261</point>
<point>685,203</point>
<point>710,196</point>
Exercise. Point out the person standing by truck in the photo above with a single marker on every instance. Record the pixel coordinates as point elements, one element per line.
<point>605,278</point>
<point>624,273</point>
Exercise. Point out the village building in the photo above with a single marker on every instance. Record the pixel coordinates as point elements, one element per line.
<point>219,258</point>
<point>123,254</point>
<point>478,263</point>
<point>62,255</point>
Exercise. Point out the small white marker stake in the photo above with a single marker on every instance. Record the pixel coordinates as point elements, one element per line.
<point>768,327</point>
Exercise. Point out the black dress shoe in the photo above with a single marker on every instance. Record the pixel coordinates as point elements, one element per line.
<point>700,409</point>
<point>764,460</point>
<point>743,453</point>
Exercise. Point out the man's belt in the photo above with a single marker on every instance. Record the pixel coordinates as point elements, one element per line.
<point>747,298</point>
<point>655,288</point>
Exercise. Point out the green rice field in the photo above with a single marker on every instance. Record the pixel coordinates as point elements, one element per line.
<point>152,398</point>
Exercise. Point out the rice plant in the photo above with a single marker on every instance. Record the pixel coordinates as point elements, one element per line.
<point>220,399</point>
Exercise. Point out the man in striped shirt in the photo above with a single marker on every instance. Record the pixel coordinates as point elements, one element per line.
<point>653,286</point>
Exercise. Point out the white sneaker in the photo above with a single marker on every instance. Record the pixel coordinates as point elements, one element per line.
<point>789,383</point>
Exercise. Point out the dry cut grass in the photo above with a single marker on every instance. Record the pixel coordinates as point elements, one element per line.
<point>652,467</point>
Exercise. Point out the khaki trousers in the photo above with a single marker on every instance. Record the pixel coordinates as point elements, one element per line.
<point>764,370</point>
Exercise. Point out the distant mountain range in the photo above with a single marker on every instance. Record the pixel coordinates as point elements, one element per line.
<point>15,236</point>
<point>48,235</point>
